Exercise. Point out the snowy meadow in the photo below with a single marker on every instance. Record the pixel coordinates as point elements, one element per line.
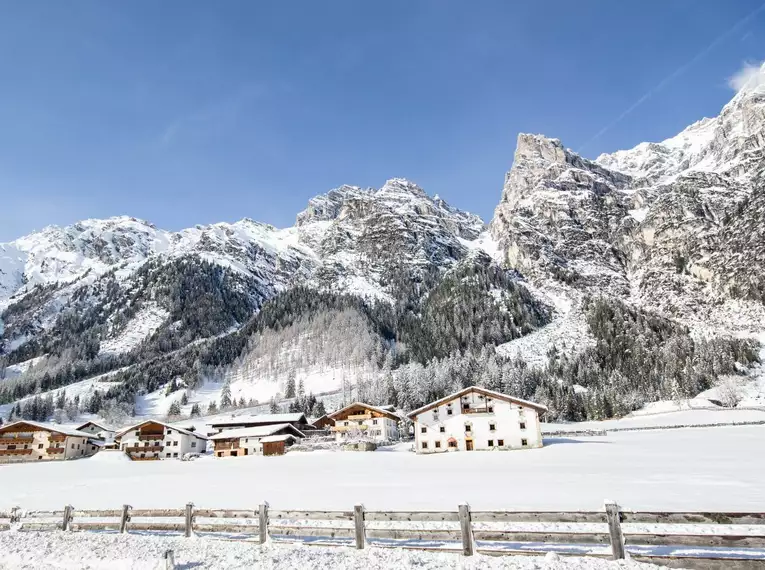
<point>687,469</point>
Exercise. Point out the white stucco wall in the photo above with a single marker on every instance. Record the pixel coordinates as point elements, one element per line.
<point>514,426</point>
<point>377,429</point>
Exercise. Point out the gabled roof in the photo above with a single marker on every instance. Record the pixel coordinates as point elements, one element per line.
<point>490,393</point>
<point>39,426</point>
<point>382,411</point>
<point>262,419</point>
<point>168,426</point>
<point>256,431</point>
<point>100,426</point>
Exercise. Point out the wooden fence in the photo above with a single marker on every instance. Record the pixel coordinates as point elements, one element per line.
<point>463,529</point>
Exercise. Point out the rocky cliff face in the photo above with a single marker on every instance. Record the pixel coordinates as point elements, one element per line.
<point>675,226</point>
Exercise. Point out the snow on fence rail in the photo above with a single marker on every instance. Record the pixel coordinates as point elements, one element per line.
<point>594,533</point>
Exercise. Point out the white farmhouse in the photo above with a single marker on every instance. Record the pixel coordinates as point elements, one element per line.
<point>373,423</point>
<point>153,439</point>
<point>477,419</point>
<point>253,440</point>
<point>99,431</point>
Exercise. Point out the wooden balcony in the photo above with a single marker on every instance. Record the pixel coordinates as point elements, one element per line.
<point>12,440</point>
<point>147,449</point>
<point>225,445</point>
<point>357,417</point>
<point>57,437</point>
<point>15,452</point>
<point>151,436</point>
<point>55,450</point>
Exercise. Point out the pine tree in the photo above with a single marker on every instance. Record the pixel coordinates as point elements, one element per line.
<point>225,396</point>
<point>319,410</point>
<point>212,408</point>
<point>175,410</point>
<point>274,408</point>
<point>184,399</point>
<point>61,400</point>
<point>242,402</point>
<point>289,390</point>
<point>195,411</point>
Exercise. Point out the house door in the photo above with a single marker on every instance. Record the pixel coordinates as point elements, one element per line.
<point>246,451</point>
<point>469,445</point>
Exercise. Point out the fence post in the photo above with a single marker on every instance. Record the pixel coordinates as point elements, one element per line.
<point>15,514</point>
<point>466,526</point>
<point>263,523</point>
<point>169,558</point>
<point>125,518</point>
<point>615,530</point>
<point>67,523</point>
<point>358,520</point>
<point>189,519</point>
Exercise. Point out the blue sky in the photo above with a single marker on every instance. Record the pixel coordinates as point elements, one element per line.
<point>188,112</point>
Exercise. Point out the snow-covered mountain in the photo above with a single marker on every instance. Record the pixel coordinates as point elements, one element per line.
<point>674,229</point>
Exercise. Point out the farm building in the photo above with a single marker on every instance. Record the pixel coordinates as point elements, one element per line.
<point>34,441</point>
<point>371,422</point>
<point>296,420</point>
<point>98,431</point>
<point>153,439</point>
<point>477,419</point>
<point>268,440</point>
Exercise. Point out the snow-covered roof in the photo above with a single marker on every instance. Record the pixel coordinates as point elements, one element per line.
<point>168,426</point>
<point>49,427</point>
<point>297,417</point>
<point>273,438</point>
<point>99,426</point>
<point>485,392</point>
<point>382,411</point>
<point>256,431</point>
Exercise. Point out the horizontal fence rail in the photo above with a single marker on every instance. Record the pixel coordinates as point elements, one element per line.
<point>613,532</point>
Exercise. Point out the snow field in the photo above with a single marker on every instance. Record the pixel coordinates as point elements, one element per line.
<point>94,551</point>
<point>715,469</point>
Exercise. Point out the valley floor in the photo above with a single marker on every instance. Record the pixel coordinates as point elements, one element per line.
<point>685,469</point>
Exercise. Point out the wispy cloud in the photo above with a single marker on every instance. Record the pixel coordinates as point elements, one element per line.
<point>750,76</point>
<point>674,75</point>
<point>213,117</point>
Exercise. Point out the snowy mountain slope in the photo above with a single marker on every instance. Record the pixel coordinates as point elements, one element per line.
<point>674,226</point>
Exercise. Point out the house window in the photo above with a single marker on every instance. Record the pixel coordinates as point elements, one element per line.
<point>453,444</point>
<point>468,428</point>
<point>175,455</point>
<point>492,427</point>
<point>26,446</point>
<point>490,409</point>
<point>424,444</point>
<point>72,446</point>
<point>374,422</point>
<point>92,448</point>
<point>501,442</point>
<point>168,454</point>
<point>491,443</point>
<point>524,442</point>
<point>523,425</point>
<point>438,444</point>
<point>175,444</point>
<point>465,406</point>
<point>13,446</point>
<point>442,429</point>
<point>40,446</point>
<point>193,444</point>
<point>448,411</point>
<point>345,423</point>
<point>137,434</point>
<point>423,429</point>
